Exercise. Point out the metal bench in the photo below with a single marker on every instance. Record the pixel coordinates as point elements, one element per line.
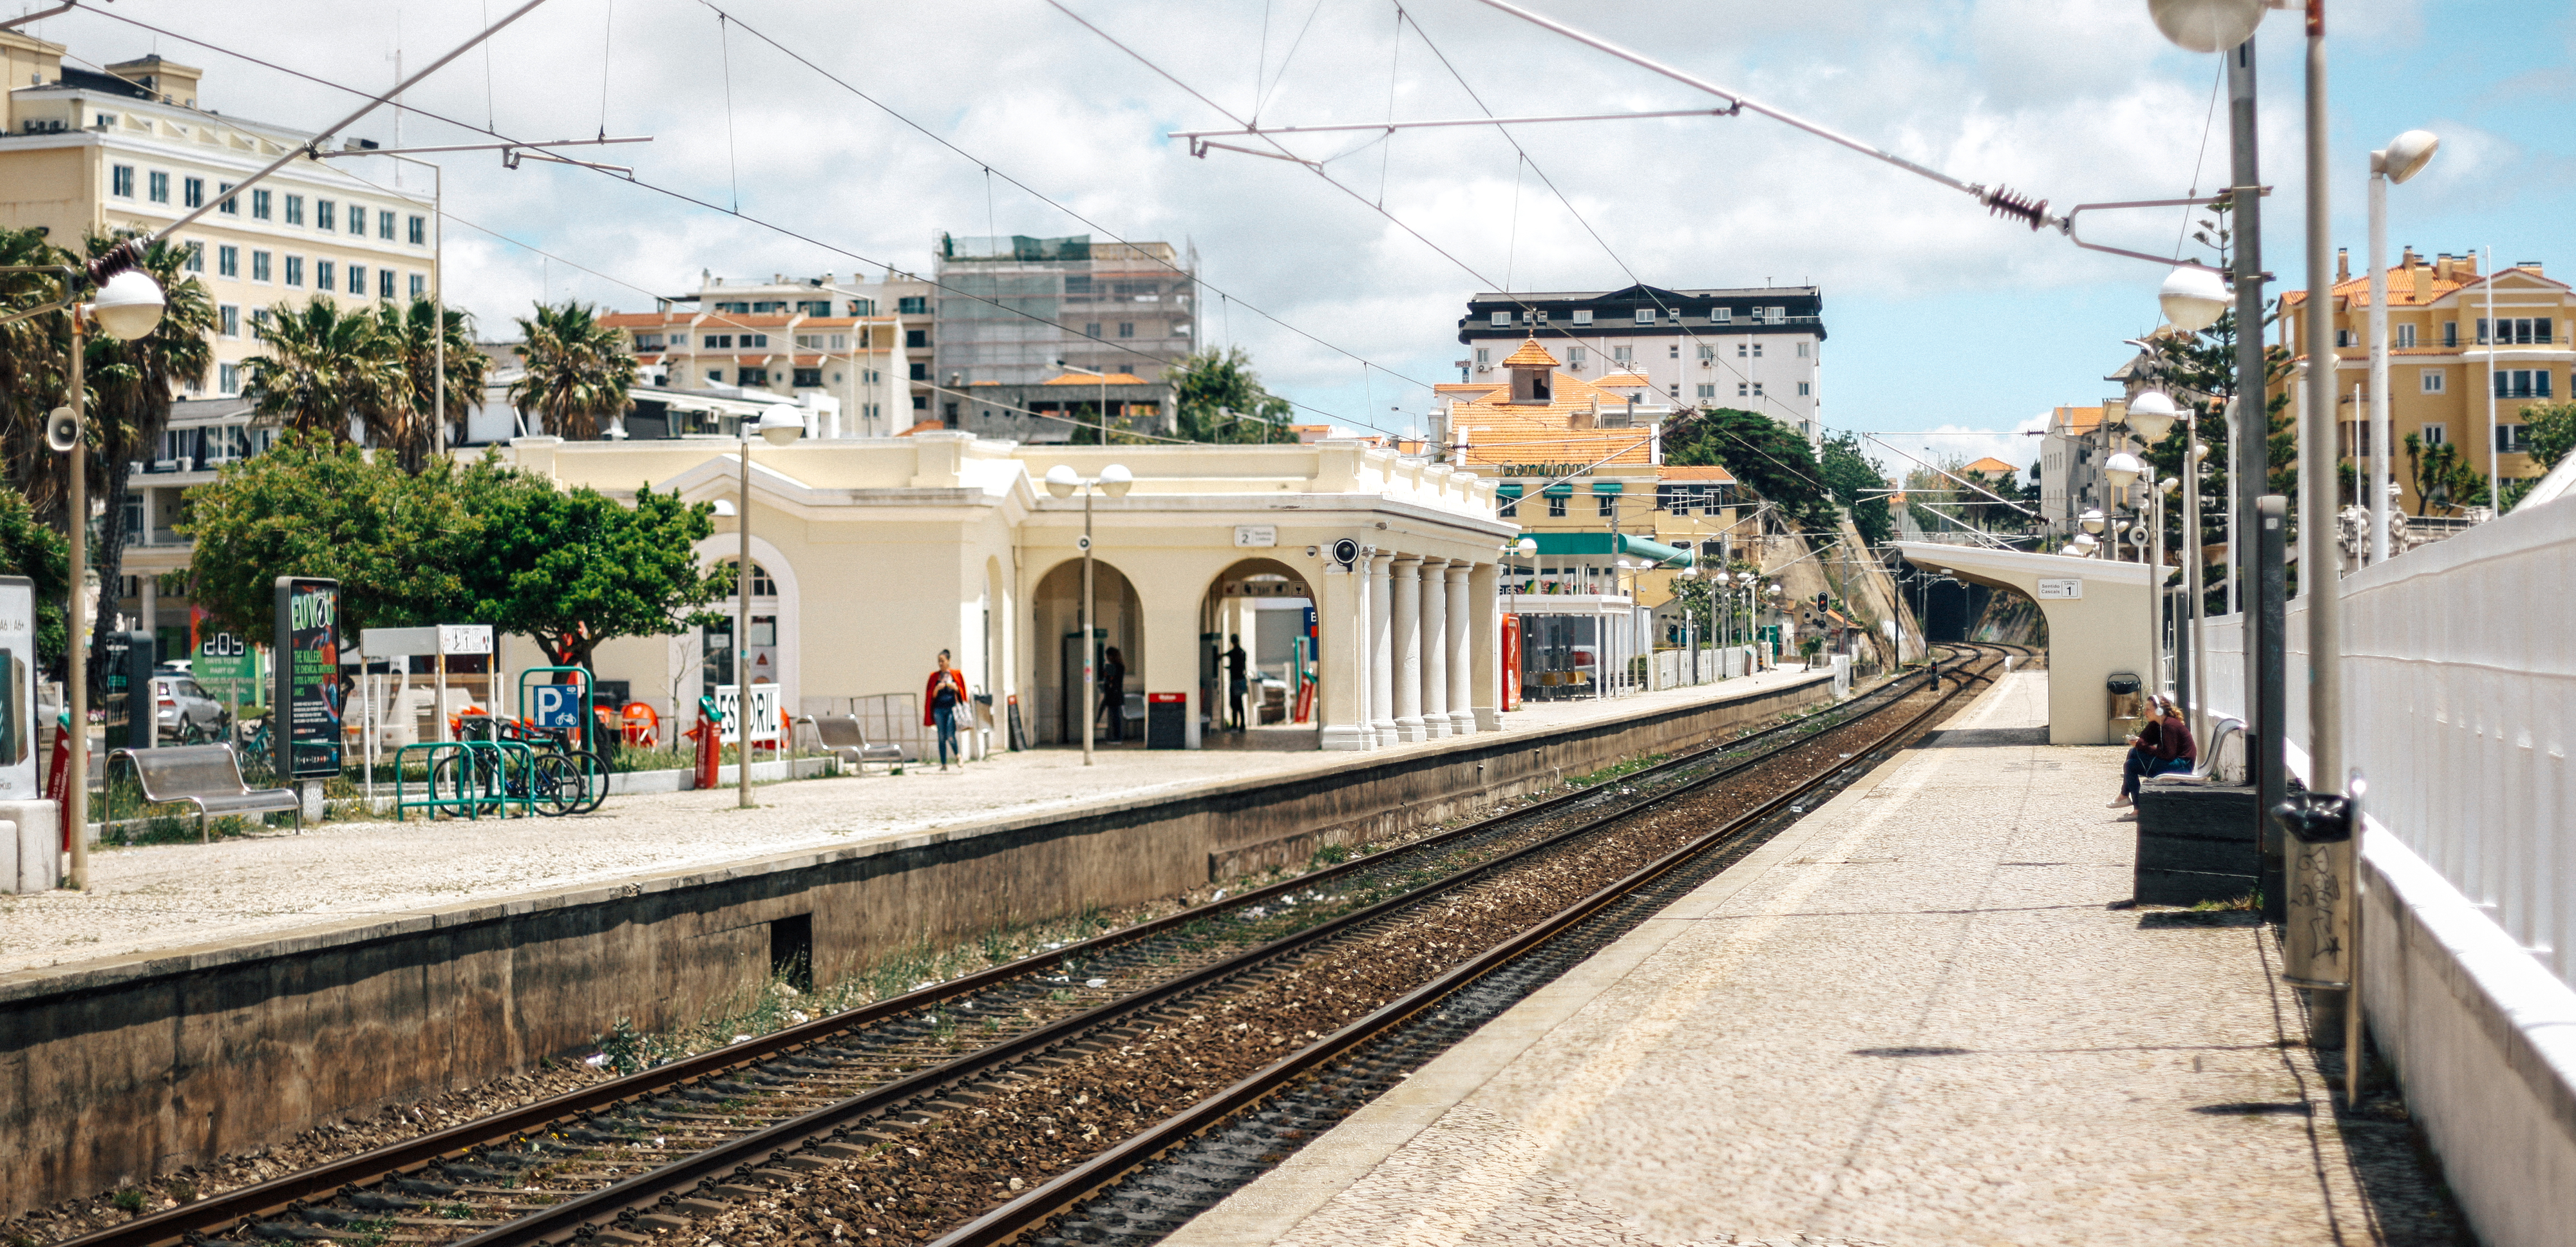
<point>841,734</point>
<point>206,776</point>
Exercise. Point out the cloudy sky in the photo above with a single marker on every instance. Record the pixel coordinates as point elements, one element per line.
<point>1940,317</point>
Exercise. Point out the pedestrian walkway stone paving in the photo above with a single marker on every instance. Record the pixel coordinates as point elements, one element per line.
<point>1922,1015</point>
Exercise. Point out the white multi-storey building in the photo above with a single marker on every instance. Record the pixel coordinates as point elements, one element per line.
<point>1755,350</point>
<point>134,148</point>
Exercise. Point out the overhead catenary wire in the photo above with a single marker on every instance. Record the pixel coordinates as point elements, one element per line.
<point>695,201</point>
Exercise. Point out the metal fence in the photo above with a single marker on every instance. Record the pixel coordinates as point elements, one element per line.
<point>884,718</point>
<point>2460,711</point>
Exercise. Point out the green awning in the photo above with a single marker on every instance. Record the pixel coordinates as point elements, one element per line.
<point>1509,489</point>
<point>1607,545</point>
<point>1559,490</point>
<point>1605,487</point>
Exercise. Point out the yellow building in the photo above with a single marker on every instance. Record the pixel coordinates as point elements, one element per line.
<point>134,148</point>
<point>2463,349</point>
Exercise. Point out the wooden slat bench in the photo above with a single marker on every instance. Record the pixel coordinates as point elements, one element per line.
<point>206,776</point>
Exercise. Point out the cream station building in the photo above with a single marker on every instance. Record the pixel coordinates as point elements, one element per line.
<point>871,556</point>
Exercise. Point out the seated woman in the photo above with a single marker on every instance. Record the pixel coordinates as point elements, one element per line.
<point>2174,741</point>
<point>2162,744</point>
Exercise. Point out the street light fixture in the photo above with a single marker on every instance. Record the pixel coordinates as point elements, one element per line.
<point>2206,25</point>
<point>778,425</point>
<point>1063,482</point>
<point>2193,298</point>
<point>2403,158</point>
<point>2152,414</point>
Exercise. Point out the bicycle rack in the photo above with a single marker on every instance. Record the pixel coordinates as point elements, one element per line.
<point>481,778</point>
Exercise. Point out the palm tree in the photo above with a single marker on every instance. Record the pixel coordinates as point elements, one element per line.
<point>33,356</point>
<point>131,384</point>
<point>411,431</point>
<point>323,368</point>
<point>579,371</point>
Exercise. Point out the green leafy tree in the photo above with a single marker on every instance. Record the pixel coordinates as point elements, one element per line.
<point>1218,398</point>
<point>316,506</point>
<point>1763,456</point>
<point>579,371</point>
<point>128,409</point>
<point>575,569</point>
<point>30,548</point>
<point>319,368</point>
<point>34,356</point>
<point>1849,473</point>
<point>2442,476</point>
<point>2551,430</point>
<point>410,334</point>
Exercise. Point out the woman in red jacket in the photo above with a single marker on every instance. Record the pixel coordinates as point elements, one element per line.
<point>941,699</point>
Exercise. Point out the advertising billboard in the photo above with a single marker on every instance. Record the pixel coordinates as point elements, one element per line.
<point>307,723</point>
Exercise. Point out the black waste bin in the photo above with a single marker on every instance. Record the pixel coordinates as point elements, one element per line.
<point>1167,720</point>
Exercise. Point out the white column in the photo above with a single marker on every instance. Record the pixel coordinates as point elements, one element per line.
<point>1485,688</point>
<point>1341,677</point>
<point>1381,682</point>
<point>1462,715</point>
<point>1407,649</point>
<point>1435,649</point>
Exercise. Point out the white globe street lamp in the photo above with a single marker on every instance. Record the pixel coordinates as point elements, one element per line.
<point>2193,298</point>
<point>2206,25</point>
<point>2152,414</point>
<point>129,306</point>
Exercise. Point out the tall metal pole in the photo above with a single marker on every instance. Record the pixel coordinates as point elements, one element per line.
<point>438,298</point>
<point>2155,556</point>
<point>2378,501</point>
<point>76,658</point>
<point>2247,469</point>
<point>1090,676</point>
<point>742,631</point>
<point>2195,554</point>
<point>2321,564</point>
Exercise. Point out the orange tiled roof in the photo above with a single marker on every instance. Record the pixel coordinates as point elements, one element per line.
<point>1498,431</point>
<point>1992,465</point>
<point>2075,419</point>
<point>1710,472</point>
<point>1624,381</point>
<point>1084,378</point>
<point>926,426</point>
<point>1531,355</point>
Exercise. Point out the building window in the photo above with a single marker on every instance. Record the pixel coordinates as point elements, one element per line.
<point>1707,353</point>
<point>192,192</point>
<point>2522,383</point>
<point>1805,389</point>
<point>2405,336</point>
<point>1673,350</point>
<point>295,270</point>
<point>259,266</point>
<point>326,214</point>
<point>120,181</point>
<point>1510,508</point>
<point>1645,316</point>
<point>716,341</point>
<point>228,378</point>
<point>1622,354</point>
<point>2513,439</point>
<point>1802,348</point>
<point>1126,329</point>
<point>1606,505</point>
<point>295,209</point>
<point>231,203</point>
<point>1583,316</point>
<point>1091,329</point>
<point>863,307</point>
<point>259,205</point>
<point>806,378</point>
<point>751,376</point>
<point>2435,435</point>
<point>1742,350</point>
<point>357,219</point>
<point>227,261</point>
<point>1708,391</point>
<point>1499,320</point>
<point>160,184</point>
<point>755,339</point>
<point>648,342</point>
<point>385,224</point>
<point>358,279</point>
<point>2450,333</point>
<point>2432,382</point>
<point>1573,358</point>
<point>324,273</point>
<point>1555,507</point>
<point>420,285</point>
<point>196,257</point>
<point>2343,337</point>
<point>913,305</point>
<point>920,372</point>
<point>258,319</point>
<point>1484,356</point>
<point>419,235</point>
<point>384,283</point>
<point>916,339</point>
<point>228,320</point>
<point>1720,315</point>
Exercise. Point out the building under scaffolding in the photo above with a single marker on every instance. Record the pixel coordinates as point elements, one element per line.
<point>1018,310</point>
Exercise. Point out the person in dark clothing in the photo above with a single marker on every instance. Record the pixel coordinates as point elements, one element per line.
<point>1113,693</point>
<point>1236,683</point>
<point>940,701</point>
<point>2162,744</point>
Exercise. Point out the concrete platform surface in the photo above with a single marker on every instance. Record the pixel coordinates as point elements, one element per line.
<point>158,897</point>
<point>1910,1019</point>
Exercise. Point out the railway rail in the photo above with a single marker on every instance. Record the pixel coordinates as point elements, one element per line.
<point>879,1116</point>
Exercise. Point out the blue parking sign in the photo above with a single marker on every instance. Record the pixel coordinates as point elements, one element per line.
<point>558,705</point>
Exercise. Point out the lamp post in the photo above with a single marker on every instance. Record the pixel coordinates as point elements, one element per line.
<point>2088,542</point>
<point>127,305</point>
<point>779,425</point>
<point>1100,416</point>
<point>1063,482</point>
<point>2403,158</point>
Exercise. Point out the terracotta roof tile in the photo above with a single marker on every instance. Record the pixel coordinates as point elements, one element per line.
<point>1531,355</point>
<point>1710,472</point>
<point>1084,378</point>
<point>1992,465</point>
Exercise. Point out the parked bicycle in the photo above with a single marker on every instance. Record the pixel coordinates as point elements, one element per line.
<point>560,778</point>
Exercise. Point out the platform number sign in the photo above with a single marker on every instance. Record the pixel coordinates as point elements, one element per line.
<point>557,705</point>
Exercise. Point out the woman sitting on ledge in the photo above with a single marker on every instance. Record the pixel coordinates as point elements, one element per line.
<point>2162,745</point>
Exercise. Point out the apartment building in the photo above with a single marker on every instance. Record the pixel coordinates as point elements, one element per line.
<point>137,148</point>
<point>2465,350</point>
<point>2071,453</point>
<point>1017,311</point>
<point>1754,350</point>
<point>863,346</point>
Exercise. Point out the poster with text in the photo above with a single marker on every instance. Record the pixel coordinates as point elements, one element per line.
<point>307,705</point>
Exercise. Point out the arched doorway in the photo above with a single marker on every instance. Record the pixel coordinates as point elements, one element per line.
<point>1055,614</point>
<point>1271,608</point>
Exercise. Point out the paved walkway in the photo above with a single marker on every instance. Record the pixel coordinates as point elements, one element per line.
<point>1911,1019</point>
<point>176,895</point>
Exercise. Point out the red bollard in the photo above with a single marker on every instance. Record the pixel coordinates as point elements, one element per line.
<point>710,751</point>
<point>58,788</point>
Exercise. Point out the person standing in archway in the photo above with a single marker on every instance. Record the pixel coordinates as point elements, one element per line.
<point>940,701</point>
<point>1236,682</point>
<point>1113,692</point>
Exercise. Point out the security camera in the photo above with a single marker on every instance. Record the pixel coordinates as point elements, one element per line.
<point>63,430</point>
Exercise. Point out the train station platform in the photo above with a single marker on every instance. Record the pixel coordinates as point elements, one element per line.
<point>1924,1014</point>
<point>248,890</point>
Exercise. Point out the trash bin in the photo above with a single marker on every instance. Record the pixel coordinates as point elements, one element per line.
<point>1167,720</point>
<point>2125,702</point>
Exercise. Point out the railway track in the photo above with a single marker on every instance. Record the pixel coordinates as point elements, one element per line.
<point>949,1110</point>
